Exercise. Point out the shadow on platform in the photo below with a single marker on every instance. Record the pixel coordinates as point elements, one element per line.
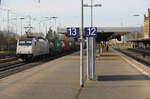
<point>122,77</point>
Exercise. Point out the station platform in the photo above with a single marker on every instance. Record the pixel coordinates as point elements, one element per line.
<point>117,77</point>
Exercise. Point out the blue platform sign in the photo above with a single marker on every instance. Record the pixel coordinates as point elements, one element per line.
<point>73,32</point>
<point>90,31</point>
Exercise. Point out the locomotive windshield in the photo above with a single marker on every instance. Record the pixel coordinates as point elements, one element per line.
<point>25,42</point>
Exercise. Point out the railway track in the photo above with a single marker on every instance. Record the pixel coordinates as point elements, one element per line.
<point>4,60</point>
<point>9,65</point>
<point>3,56</point>
<point>7,71</point>
<point>139,55</point>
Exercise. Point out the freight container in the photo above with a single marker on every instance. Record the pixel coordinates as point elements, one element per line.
<point>57,46</point>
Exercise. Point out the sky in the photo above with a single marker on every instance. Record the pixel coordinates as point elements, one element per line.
<point>113,13</point>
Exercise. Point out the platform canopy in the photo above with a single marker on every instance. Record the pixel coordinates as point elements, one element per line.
<point>107,33</point>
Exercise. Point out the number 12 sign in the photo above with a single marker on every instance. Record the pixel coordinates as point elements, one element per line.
<point>73,32</point>
<point>90,31</point>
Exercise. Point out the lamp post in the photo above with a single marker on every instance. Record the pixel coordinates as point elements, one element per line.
<point>45,25</point>
<point>81,48</point>
<point>15,24</point>
<point>136,15</point>
<point>90,49</point>
<point>54,20</point>
<point>136,35</point>
<point>50,18</point>
<point>8,12</point>
<point>21,25</point>
<point>39,26</point>
<point>55,25</point>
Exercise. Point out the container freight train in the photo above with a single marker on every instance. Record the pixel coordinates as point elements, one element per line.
<point>29,48</point>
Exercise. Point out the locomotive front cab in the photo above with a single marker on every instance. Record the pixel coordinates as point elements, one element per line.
<point>24,48</point>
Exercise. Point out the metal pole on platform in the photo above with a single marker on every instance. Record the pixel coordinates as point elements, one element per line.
<point>89,68</point>
<point>91,46</point>
<point>88,58</point>
<point>81,49</point>
<point>92,39</point>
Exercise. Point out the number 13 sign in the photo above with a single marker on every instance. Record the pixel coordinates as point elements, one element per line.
<point>90,31</point>
<point>73,32</point>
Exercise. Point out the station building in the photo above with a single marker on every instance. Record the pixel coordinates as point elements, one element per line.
<point>147,25</point>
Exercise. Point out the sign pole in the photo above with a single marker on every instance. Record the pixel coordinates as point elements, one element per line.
<point>88,58</point>
<point>92,40</point>
<point>81,49</point>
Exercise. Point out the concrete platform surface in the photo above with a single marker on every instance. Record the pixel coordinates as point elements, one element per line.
<point>57,79</point>
<point>118,77</point>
